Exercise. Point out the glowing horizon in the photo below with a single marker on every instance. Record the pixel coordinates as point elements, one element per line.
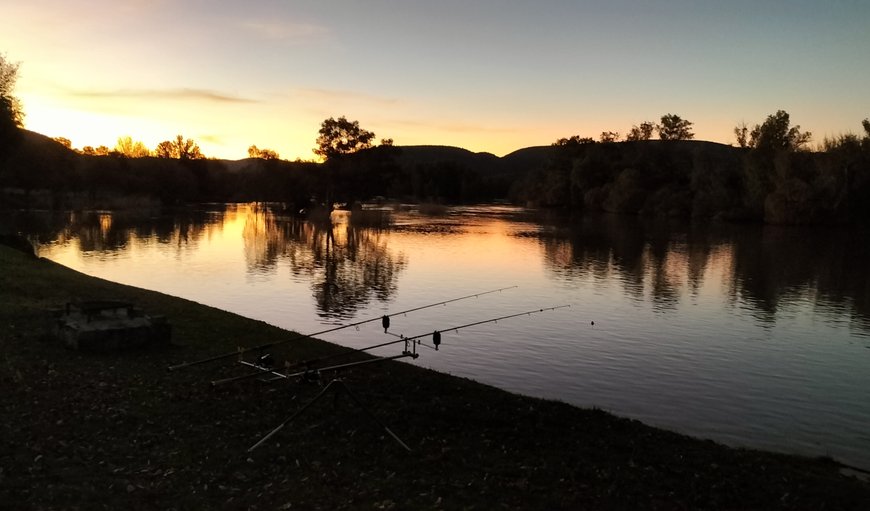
<point>485,77</point>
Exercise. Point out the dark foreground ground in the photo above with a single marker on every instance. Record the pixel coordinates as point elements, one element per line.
<point>87,431</point>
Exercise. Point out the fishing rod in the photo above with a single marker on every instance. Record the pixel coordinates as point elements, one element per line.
<point>436,334</point>
<point>436,341</point>
<point>409,351</point>
<point>385,321</point>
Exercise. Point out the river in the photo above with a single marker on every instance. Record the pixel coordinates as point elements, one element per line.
<point>749,335</point>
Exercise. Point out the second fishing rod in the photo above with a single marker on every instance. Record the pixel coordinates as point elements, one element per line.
<point>308,364</point>
<point>385,321</point>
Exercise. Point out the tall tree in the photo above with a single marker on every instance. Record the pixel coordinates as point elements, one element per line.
<point>642,132</point>
<point>9,103</point>
<point>339,137</point>
<point>673,127</point>
<point>11,116</point>
<point>126,146</point>
<point>776,133</point>
<point>741,132</point>
<point>609,136</point>
<point>179,149</point>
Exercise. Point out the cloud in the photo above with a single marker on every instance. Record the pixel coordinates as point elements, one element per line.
<point>281,31</point>
<point>212,139</point>
<point>171,94</point>
<point>333,95</point>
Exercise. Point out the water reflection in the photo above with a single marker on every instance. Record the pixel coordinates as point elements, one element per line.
<point>762,269</point>
<point>766,268</point>
<point>346,265</point>
<point>107,232</point>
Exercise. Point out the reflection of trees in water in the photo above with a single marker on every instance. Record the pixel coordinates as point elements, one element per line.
<point>115,231</point>
<point>606,248</point>
<point>346,265</point>
<point>766,266</point>
<point>827,266</point>
<point>180,230</point>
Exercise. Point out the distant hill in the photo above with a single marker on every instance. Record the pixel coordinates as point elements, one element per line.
<point>485,163</point>
<point>33,142</point>
<point>515,164</point>
<point>522,161</point>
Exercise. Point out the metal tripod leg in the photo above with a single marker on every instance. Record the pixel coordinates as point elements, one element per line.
<point>323,392</point>
<point>371,415</point>
<point>287,421</point>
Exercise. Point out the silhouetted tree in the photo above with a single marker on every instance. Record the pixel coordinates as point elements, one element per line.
<point>642,132</point>
<point>777,134</point>
<point>609,137</point>
<point>575,140</point>
<point>8,124</point>
<point>338,137</point>
<point>164,149</point>
<point>673,127</point>
<point>179,149</point>
<point>64,142</point>
<point>11,116</point>
<point>11,104</point>
<point>741,132</point>
<point>92,151</point>
<point>265,154</point>
<point>129,148</point>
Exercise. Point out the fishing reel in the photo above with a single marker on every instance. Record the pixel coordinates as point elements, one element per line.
<point>410,347</point>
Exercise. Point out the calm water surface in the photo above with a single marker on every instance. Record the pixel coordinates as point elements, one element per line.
<point>749,335</point>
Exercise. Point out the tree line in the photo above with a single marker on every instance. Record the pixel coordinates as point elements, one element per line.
<point>771,175</point>
<point>670,127</point>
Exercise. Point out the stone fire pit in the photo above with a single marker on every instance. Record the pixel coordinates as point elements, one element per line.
<point>108,325</point>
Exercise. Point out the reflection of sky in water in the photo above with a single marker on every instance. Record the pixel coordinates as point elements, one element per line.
<point>749,335</point>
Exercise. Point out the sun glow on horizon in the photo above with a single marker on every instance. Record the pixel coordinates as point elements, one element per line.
<point>87,128</point>
<point>267,74</point>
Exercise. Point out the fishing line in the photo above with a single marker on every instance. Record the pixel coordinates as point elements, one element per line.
<point>385,321</point>
<point>438,333</point>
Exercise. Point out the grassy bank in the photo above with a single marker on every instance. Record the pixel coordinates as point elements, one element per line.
<point>120,432</point>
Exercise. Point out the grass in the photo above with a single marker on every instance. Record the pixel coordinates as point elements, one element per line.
<point>118,431</point>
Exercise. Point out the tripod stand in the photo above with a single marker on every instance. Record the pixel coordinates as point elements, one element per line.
<point>337,386</point>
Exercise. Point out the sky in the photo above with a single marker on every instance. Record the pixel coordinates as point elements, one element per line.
<point>486,75</point>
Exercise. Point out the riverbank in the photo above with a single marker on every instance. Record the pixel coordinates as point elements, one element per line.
<point>119,431</point>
